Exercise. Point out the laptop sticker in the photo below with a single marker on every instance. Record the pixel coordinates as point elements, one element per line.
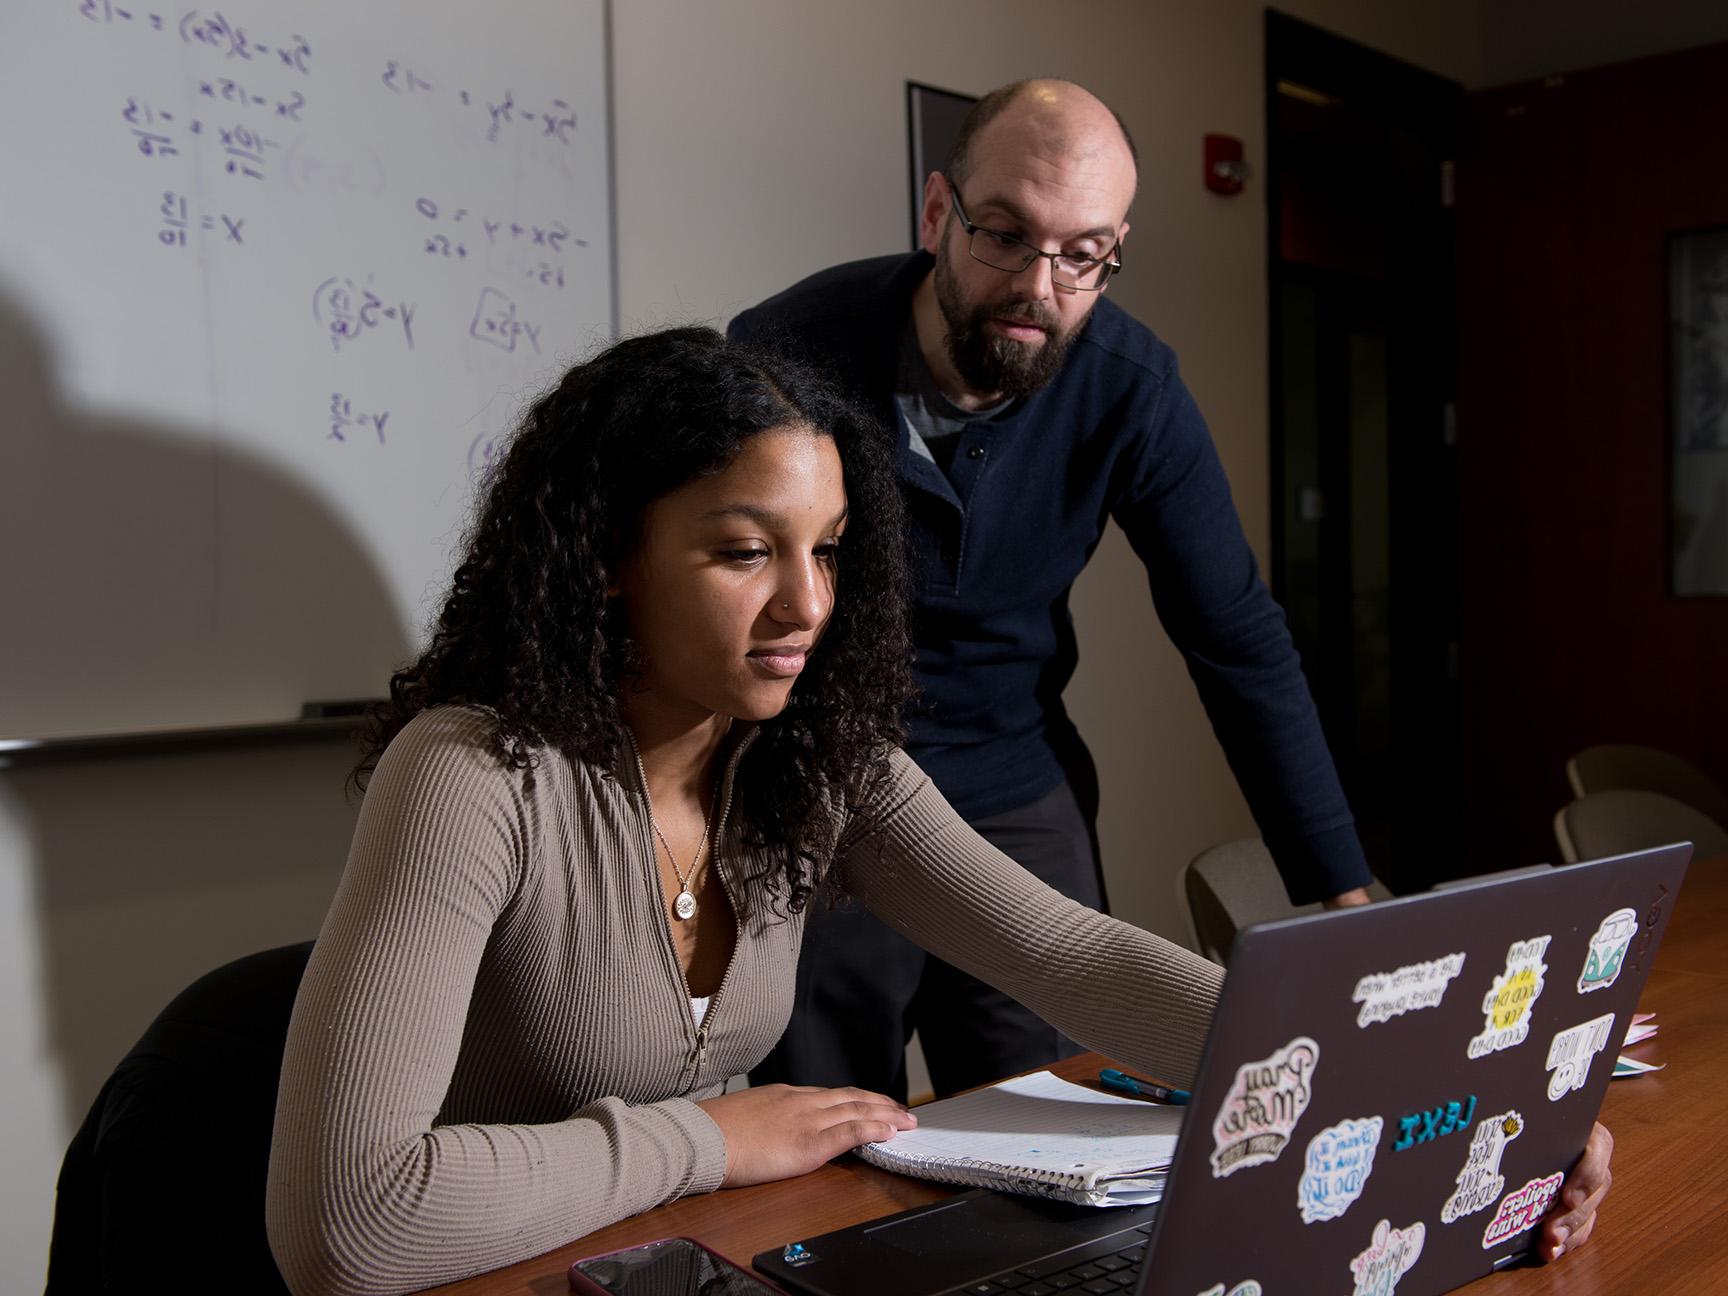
<point>1426,1126</point>
<point>1340,1158</point>
<point>1521,1210</point>
<point>1388,1258</point>
<point>1608,950</point>
<point>1385,995</point>
<point>1247,1287</point>
<point>1480,1181</point>
<point>1572,1051</point>
<point>1265,1101</point>
<point>1506,1007</point>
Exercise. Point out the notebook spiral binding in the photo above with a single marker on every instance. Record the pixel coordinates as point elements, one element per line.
<point>969,1172</point>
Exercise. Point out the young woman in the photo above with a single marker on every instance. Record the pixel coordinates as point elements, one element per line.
<point>656,720</point>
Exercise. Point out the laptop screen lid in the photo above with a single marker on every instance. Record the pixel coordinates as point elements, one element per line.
<point>1391,1095</point>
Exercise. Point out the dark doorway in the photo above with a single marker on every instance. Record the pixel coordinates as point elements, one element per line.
<point>1365,502</point>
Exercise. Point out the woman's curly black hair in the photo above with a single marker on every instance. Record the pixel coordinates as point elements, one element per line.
<point>528,631</point>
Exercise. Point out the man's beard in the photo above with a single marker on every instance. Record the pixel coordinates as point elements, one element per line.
<point>989,363</point>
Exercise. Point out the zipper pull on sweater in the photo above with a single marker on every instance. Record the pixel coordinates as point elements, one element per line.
<point>698,1052</point>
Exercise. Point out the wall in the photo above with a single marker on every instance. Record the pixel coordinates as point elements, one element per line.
<point>1564,196</point>
<point>1525,39</point>
<point>814,92</point>
<point>757,140</point>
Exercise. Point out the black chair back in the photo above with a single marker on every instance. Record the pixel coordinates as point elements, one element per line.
<point>162,1187</point>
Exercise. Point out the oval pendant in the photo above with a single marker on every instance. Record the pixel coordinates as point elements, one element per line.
<point>685,905</point>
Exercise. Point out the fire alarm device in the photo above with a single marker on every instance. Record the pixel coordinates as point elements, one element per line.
<point>1226,172</point>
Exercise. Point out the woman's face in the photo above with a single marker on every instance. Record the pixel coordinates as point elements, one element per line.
<point>733,580</point>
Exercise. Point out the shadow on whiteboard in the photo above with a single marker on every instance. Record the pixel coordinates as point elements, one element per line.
<point>131,598</point>
<point>128,878</point>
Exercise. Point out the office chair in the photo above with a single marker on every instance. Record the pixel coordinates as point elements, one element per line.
<point>162,1188</point>
<point>1646,769</point>
<point>1234,885</point>
<point>1626,819</point>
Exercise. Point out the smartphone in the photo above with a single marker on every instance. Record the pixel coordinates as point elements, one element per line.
<point>676,1266</point>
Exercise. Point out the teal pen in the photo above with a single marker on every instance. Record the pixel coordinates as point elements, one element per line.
<point>1122,1082</point>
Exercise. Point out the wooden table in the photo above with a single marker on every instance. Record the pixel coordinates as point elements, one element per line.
<point>1663,1228</point>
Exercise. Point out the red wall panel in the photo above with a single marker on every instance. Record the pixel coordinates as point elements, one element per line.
<point>1566,190</point>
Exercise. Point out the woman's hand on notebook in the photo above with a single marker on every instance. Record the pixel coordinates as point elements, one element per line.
<point>1568,1228</point>
<point>777,1131</point>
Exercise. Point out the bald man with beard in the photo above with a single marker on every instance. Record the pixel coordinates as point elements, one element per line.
<point>1028,410</point>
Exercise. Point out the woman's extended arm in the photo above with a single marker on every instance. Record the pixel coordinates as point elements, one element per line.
<point>1112,987</point>
<point>366,1193</point>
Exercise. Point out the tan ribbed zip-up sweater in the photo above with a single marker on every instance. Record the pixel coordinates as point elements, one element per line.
<point>493,1051</point>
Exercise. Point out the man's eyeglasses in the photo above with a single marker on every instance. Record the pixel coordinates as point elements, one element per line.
<point>1005,252</point>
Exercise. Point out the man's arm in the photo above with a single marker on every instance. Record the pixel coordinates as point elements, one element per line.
<point>1178,515</point>
<point>1348,899</point>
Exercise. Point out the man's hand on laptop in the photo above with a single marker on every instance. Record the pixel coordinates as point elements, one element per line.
<point>1568,1228</point>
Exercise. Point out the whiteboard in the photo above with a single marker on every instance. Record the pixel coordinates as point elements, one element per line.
<point>274,279</point>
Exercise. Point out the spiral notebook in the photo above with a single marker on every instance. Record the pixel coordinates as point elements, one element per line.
<point>1040,1136</point>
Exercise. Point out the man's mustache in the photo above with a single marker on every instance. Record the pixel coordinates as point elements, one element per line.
<point>1023,312</point>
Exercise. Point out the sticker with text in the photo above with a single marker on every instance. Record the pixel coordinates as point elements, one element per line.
<point>1265,1101</point>
<point>1436,1122</point>
<point>1506,1007</point>
<point>1388,1258</point>
<point>1247,1287</point>
<point>1521,1209</point>
<point>1480,1181</point>
<point>1572,1051</point>
<point>1385,995</point>
<point>1340,1158</point>
<point>1608,950</point>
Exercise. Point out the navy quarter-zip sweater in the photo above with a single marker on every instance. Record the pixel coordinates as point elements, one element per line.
<point>999,540</point>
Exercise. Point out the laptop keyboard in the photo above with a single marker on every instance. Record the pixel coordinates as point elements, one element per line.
<point>1106,1267</point>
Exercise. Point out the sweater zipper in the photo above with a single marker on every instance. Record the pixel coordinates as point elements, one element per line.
<point>700,1052</point>
<point>699,1034</point>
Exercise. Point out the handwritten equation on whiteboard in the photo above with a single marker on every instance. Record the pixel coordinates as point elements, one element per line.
<point>221,127</point>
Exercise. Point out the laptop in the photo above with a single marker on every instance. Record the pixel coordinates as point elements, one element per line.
<point>1389,1100</point>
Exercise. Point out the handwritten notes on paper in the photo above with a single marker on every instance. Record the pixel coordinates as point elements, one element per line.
<point>1041,1136</point>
